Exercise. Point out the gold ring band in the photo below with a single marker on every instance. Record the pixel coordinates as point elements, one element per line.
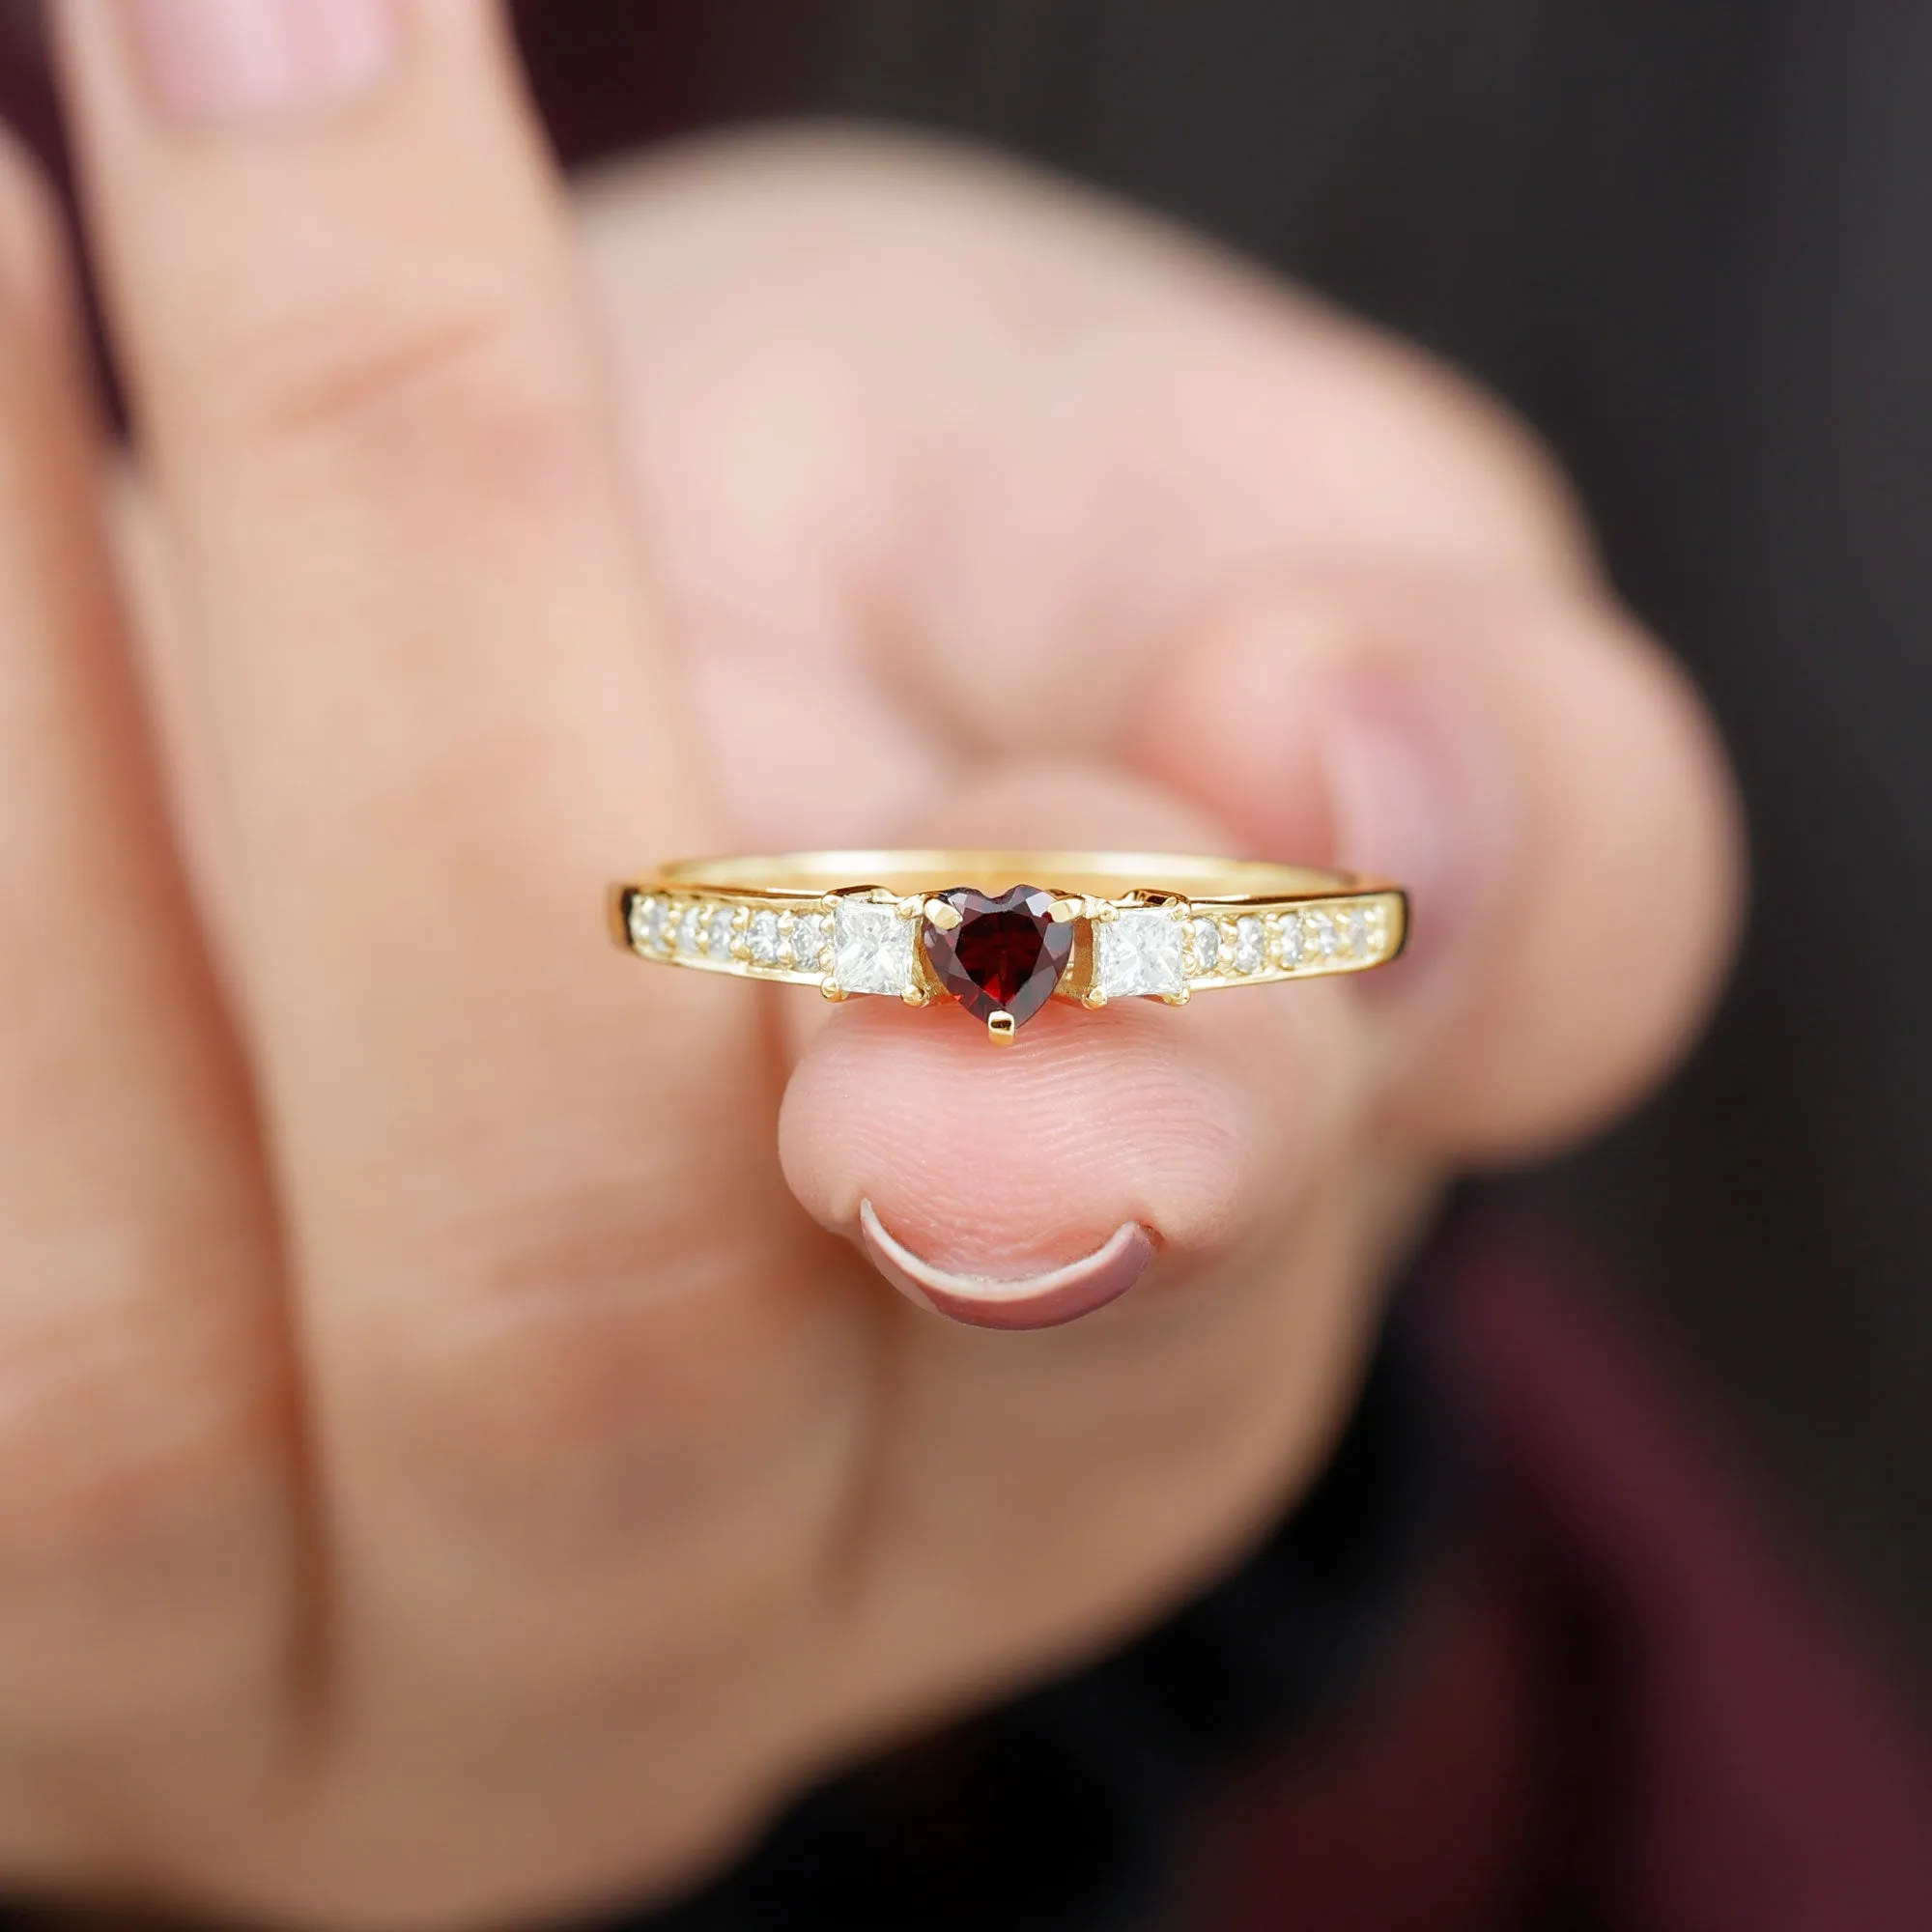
<point>1001,932</point>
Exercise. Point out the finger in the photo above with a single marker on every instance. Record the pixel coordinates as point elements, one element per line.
<point>143,1426</point>
<point>436,717</point>
<point>1540,777</point>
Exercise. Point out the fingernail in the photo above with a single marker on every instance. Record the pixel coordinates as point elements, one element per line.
<point>1028,1302</point>
<point>1422,797</point>
<point>219,60</point>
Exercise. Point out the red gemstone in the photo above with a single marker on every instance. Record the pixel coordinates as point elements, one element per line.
<point>1005,956</point>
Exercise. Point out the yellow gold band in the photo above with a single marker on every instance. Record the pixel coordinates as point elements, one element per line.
<point>1090,927</point>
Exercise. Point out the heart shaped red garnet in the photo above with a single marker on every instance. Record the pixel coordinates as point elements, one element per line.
<point>1005,956</point>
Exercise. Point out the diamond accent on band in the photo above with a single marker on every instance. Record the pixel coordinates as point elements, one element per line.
<point>806,938</point>
<point>718,931</point>
<point>647,923</point>
<point>1290,940</point>
<point>872,948</point>
<point>691,928</point>
<point>1203,935</point>
<point>761,939</point>
<point>1138,952</point>
<point>1249,952</point>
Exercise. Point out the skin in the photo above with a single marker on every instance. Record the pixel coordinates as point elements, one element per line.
<point>456,1460</point>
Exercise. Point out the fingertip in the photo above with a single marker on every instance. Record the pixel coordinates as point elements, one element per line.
<point>1025,1185</point>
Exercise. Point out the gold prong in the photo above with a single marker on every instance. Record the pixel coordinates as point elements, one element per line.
<point>1092,1001</point>
<point>1000,1028</point>
<point>911,906</point>
<point>1180,999</point>
<point>1064,912</point>
<point>916,996</point>
<point>945,917</point>
<point>831,990</point>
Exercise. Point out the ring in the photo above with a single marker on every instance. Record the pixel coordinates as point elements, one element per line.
<point>1003,932</point>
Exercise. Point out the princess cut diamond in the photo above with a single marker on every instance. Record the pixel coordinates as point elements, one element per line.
<point>872,948</point>
<point>1138,952</point>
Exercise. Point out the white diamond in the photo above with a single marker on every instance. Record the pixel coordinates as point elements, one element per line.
<point>1247,946</point>
<point>1139,952</point>
<point>718,931</point>
<point>647,924</point>
<point>762,938</point>
<point>872,948</point>
<point>1358,933</point>
<point>691,928</point>
<point>1288,942</point>
<point>1206,937</point>
<point>1319,935</point>
<point>808,934</point>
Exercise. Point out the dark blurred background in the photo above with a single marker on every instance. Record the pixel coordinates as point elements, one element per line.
<point>1688,240</point>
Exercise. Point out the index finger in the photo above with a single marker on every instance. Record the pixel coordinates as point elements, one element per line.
<point>437,714</point>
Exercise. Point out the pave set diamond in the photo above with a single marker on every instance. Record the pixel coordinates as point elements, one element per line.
<point>707,930</point>
<point>1336,936</point>
<point>864,944</point>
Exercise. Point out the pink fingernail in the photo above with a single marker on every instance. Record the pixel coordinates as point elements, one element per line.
<point>1028,1302</point>
<point>218,60</point>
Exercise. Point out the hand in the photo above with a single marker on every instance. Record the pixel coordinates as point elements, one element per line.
<point>454,1461</point>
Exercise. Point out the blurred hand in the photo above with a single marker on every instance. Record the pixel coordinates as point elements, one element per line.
<point>454,1458</point>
